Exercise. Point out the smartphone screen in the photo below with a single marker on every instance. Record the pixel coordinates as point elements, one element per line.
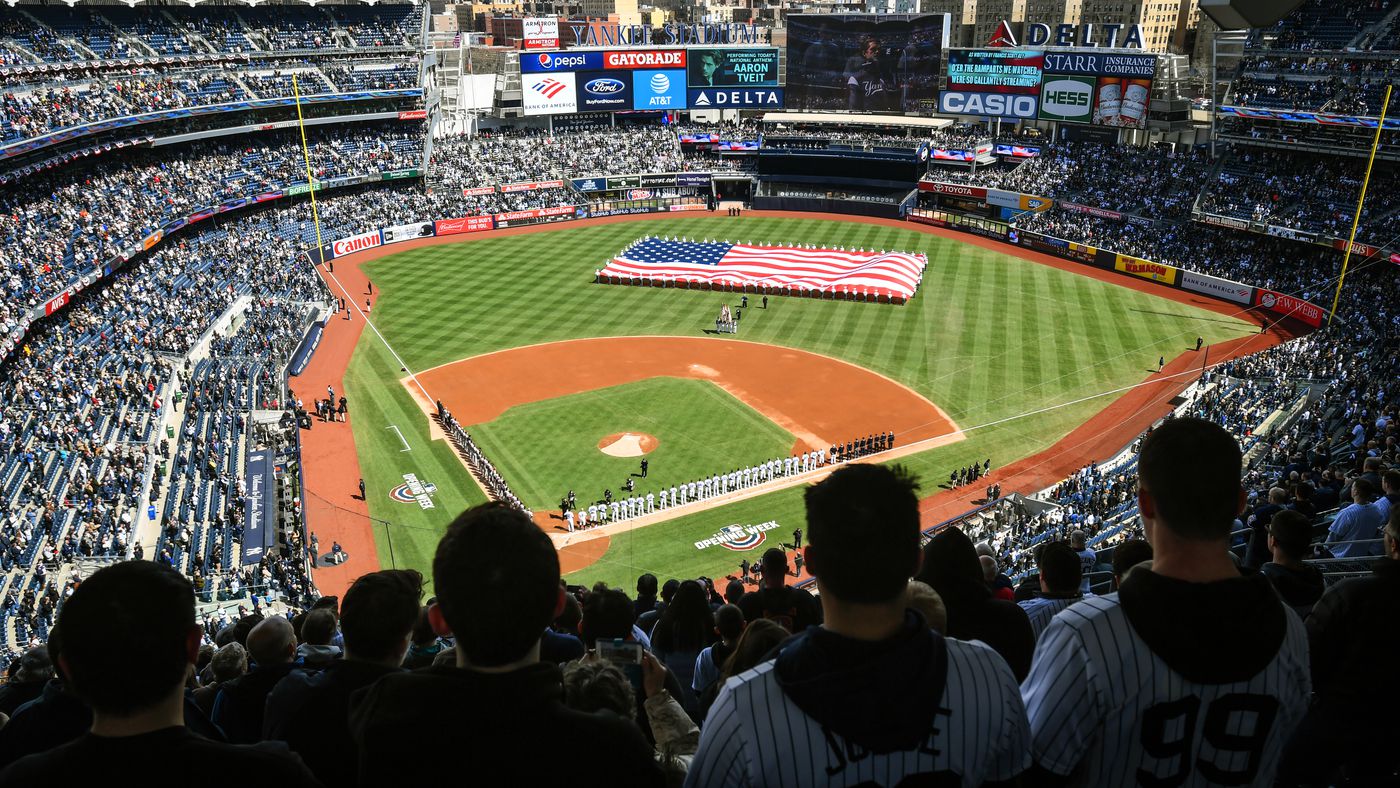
<point>626,655</point>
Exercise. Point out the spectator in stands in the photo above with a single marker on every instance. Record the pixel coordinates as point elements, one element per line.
<point>1087,558</point>
<point>1299,584</point>
<point>646,594</point>
<point>729,625</point>
<point>1060,581</point>
<point>308,710</point>
<point>1352,631</point>
<point>685,628</point>
<point>794,608</point>
<point>591,685</point>
<point>873,679</point>
<point>315,650</point>
<point>991,574</point>
<point>1390,486</point>
<point>425,645</point>
<point>921,597</point>
<point>35,670</point>
<point>1358,526</point>
<point>56,717</point>
<point>1189,638</point>
<point>951,568</point>
<point>1128,555</point>
<point>130,641</point>
<point>239,708</point>
<point>646,621</point>
<point>227,664</point>
<point>758,640</point>
<point>1259,522</point>
<point>497,581</point>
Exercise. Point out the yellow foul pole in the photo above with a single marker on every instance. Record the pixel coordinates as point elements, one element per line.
<point>310,181</point>
<point>1356,220</point>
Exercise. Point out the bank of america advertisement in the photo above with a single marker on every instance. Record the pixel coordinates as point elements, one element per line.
<point>884,63</point>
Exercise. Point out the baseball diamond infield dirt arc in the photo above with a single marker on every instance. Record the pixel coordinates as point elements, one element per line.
<point>835,400</point>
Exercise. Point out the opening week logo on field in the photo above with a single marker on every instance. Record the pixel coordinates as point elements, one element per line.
<point>414,491</point>
<point>739,538</point>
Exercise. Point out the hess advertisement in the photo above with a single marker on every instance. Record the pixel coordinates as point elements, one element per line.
<point>864,62</point>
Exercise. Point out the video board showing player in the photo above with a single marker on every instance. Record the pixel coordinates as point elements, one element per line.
<point>863,62</point>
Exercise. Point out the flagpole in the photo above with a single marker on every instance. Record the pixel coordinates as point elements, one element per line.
<point>1356,220</point>
<point>310,181</point>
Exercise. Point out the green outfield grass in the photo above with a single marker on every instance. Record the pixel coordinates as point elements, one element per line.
<point>1013,351</point>
<point>700,428</point>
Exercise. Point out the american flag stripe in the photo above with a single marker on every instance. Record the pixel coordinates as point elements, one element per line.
<point>823,270</point>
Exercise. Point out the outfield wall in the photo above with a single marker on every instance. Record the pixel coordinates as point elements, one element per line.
<point>1282,305</point>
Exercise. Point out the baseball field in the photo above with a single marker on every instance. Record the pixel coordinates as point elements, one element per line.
<point>996,358</point>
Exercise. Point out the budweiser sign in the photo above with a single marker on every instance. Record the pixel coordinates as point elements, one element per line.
<point>466,224</point>
<point>356,243</point>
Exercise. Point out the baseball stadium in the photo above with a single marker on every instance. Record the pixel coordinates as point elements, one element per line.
<point>1005,394</point>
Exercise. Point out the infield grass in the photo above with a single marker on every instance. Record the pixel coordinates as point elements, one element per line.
<point>700,429</point>
<point>1017,353</point>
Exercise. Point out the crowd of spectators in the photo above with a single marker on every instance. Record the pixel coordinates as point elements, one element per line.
<point>47,34</point>
<point>532,154</point>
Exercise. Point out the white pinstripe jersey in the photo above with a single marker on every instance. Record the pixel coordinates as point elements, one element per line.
<point>1109,712</point>
<point>756,736</point>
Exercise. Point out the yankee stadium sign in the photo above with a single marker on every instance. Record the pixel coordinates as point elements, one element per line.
<point>670,34</point>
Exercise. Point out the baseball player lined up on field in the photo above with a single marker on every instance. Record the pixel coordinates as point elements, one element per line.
<point>1190,675</point>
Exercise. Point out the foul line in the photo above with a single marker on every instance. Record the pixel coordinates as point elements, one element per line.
<point>395,428</point>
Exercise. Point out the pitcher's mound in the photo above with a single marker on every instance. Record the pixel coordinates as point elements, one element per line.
<point>627,444</point>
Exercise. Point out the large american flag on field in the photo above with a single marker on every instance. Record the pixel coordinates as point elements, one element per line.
<point>890,274</point>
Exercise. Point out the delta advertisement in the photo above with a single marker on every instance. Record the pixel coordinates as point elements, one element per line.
<point>864,62</point>
<point>560,83</point>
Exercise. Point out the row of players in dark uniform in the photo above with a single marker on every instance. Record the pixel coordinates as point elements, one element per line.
<point>870,444</point>
<point>970,473</point>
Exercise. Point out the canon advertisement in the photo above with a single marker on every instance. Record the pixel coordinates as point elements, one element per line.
<point>864,62</point>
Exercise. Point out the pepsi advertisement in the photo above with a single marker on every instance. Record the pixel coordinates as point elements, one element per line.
<point>864,62</point>
<point>608,91</point>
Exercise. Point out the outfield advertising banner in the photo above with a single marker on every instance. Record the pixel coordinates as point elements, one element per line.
<point>608,91</point>
<point>356,243</point>
<point>549,94</point>
<point>658,90</point>
<point>1067,98</point>
<point>864,62</point>
<point>995,70</point>
<point>1146,269</point>
<point>1290,307</point>
<point>735,98</point>
<point>954,189</point>
<point>959,102</point>
<point>466,224</point>
<point>1216,287</point>
<point>557,62</point>
<point>529,186</point>
<point>407,232</point>
<point>541,33</point>
<point>715,68</point>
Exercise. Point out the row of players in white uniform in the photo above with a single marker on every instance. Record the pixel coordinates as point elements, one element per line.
<point>699,490</point>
